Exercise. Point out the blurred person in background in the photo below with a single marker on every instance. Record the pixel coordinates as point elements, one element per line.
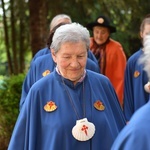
<point>109,53</point>
<point>135,95</point>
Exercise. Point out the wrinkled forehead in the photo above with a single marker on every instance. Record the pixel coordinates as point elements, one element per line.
<point>74,48</point>
<point>100,28</point>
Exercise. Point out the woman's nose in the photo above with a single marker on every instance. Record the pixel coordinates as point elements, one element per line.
<point>74,62</point>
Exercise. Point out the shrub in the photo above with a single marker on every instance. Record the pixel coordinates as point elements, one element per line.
<point>10,92</point>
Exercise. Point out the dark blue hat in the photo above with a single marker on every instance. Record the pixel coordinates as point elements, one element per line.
<point>101,21</point>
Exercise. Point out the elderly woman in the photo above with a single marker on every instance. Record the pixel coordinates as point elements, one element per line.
<point>44,64</point>
<point>72,108</point>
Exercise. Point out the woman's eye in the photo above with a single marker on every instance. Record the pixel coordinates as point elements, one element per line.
<point>66,57</point>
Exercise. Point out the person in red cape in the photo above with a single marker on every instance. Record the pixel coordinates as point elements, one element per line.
<point>109,53</point>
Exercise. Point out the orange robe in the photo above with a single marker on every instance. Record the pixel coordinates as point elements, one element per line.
<point>115,65</point>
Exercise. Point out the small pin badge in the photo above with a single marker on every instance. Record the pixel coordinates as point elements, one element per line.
<point>45,73</point>
<point>50,106</point>
<point>99,105</point>
<point>100,20</point>
<point>136,74</point>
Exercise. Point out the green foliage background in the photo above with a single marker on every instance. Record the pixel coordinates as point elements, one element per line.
<point>10,90</point>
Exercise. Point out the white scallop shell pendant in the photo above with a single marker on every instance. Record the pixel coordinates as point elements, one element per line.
<point>147,87</point>
<point>83,130</point>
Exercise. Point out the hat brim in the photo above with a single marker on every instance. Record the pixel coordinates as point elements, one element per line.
<point>93,24</point>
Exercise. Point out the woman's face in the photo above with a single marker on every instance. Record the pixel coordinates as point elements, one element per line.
<point>71,60</point>
<point>100,34</point>
<point>146,30</point>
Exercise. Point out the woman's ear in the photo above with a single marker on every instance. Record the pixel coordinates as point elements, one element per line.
<point>53,55</point>
<point>141,35</point>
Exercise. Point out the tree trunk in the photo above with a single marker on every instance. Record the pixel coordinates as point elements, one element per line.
<point>13,38</point>
<point>38,24</point>
<point>22,27</point>
<point>10,67</point>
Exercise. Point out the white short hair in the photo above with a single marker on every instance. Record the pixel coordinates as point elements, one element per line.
<point>73,33</point>
<point>61,18</point>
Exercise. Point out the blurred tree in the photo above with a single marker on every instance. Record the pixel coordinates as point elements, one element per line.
<point>23,36</point>
<point>38,24</point>
<point>6,38</point>
<point>13,36</point>
<point>14,29</point>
